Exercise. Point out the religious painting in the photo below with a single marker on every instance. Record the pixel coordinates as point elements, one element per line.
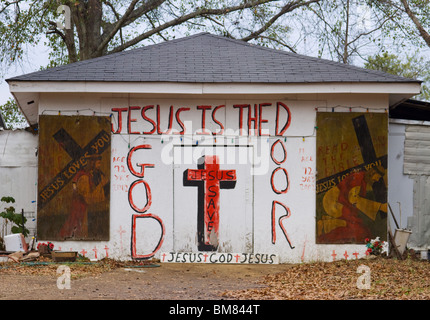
<point>73,177</point>
<point>351,190</point>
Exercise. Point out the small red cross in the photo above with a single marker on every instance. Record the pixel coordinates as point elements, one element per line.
<point>334,255</point>
<point>346,255</point>
<point>95,252</point>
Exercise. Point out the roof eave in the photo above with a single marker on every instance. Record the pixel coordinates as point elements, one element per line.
<point>411,87</point>
<point>27,93</point>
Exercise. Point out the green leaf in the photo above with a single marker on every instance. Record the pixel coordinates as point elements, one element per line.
<point>7,199</point>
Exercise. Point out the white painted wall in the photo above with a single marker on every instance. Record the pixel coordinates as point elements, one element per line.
<point>172,210</point>
<point>400,185</point>
<point>18,172</point>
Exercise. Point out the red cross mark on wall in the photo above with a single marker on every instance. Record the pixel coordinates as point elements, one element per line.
<point>210,180</point>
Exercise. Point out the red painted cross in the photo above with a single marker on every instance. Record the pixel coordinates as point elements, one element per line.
<point>334,255</point>
<point>212,177</point>
<point>346,255</point>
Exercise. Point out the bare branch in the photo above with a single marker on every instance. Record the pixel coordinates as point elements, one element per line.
<point>153,25</point>
<point>199,12</point>
<point>280,42</point>
<point>116,27</point>
<point>287,8</point>
<point>117,16</point>
<point>130,15</point>
<point>9,4</point>
<point>53,30</point>
<point>424,34</point>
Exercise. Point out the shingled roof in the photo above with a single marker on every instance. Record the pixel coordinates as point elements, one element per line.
<point>207,58</point>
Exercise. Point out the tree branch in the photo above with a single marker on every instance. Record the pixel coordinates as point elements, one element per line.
<point>9,4</point>
<point>424,34</point>
<point>117,16</point>
<point>130,15</point>
<point>68,39</point>
<point>199,12</point>
<point>287,8</point>
<point>53,30</point>
<point>280,42</point>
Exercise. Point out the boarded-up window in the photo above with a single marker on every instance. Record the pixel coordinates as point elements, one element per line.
<point>351,177</point>
<point>73,178</point>
<point>417,151</point>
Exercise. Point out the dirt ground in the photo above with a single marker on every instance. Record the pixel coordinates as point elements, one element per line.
<point>151,282</point>
<point>387,279</point>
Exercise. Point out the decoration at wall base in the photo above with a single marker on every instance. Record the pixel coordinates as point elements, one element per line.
<point>374,246</point>
<point>45,247</point>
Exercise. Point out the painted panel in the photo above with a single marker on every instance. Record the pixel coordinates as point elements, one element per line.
<point>351,183</point>
<point>74,177</point>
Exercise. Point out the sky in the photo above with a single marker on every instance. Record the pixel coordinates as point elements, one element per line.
<point>37,57</point>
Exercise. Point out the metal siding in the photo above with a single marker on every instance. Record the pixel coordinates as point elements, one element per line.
<point>18,167</point>
<point>420,222</point>
<point>17,149</point>
<point>417,151</point>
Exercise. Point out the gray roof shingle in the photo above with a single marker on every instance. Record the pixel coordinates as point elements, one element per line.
<point>207,58</point>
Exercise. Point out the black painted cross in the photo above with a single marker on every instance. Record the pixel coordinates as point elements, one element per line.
<point>369,154</point>
<point>210,179</point>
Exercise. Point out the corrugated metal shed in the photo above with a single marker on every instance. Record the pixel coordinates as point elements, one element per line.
<point>416,165</point>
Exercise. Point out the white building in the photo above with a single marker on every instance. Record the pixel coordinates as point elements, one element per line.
<point>214,147</point>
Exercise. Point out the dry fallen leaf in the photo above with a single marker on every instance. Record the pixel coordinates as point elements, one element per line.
<point>389,279</point>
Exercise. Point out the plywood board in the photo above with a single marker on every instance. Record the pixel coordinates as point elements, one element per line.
<point>351,177</point>
<point>74,177</point>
